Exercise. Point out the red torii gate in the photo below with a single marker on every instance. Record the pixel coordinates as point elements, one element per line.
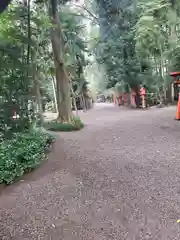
<point>176,76</point>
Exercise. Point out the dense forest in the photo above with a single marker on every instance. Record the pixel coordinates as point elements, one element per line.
<point>139,43</point>
<point>55,52</point>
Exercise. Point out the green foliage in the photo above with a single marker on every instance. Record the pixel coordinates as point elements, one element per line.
<point>75,46</point>
<point>138,42</point>
<point>75,125</point>
<point>116,48</point>
<point>27,63</point>
<point>22,153</point>
<point>156,35</point>
<point>23,43</point>
<point>15,81</point>
<point>175,62</point>
<point>26,72</point>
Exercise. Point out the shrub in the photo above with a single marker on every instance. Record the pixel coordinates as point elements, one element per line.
<point>75,125</point>
<point>22,153</point>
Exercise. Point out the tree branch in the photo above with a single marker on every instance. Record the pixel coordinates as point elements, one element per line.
<point>88,11</point>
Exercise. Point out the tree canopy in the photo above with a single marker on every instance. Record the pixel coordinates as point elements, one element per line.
<point>108,44</point>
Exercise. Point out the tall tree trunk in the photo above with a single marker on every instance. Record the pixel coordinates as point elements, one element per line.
<point>136,88</point>
<point>83,102</point>
<point>54,93</point>
<point>39,103</point>
<point>38,99</point>
<point>74,100</point>
<point>29,29</point>
<point>161,69</point>
<point>62,78</point>
<point>36,90</point>
<point>27,5</point>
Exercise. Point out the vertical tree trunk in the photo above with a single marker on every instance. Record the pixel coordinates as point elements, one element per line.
<point>39,103</point>
<point>38,98</point>
<point>74,100</point>
<point>54,93</point>
<point>62,78</point>
<point>36,86</point>
<point>27,5</point>
<point>83,102</point>
<point>29,29</point>
<point>162,71</point>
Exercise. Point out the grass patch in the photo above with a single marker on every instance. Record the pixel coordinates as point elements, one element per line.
<point>75,125</point>
<point>22,153</point>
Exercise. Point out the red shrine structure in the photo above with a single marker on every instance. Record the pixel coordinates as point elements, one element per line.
<point>176,76</point>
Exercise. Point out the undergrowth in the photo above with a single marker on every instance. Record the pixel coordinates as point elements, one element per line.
<point>22,153</point>
<point>75,125</point>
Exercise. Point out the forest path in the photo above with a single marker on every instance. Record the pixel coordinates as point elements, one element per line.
<point>118,178</point>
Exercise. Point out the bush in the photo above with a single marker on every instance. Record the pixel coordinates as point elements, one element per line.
<point>75,125</point>
<point>22,153</point>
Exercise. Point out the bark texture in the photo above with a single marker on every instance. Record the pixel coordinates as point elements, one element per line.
<point>62,78</point>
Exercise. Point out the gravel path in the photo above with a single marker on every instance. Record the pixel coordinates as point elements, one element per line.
<point>117,179</point>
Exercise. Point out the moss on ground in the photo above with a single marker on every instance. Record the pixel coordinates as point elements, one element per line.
<point>75,125</point>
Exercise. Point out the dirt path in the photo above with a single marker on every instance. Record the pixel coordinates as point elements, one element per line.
<point>118,178</point>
